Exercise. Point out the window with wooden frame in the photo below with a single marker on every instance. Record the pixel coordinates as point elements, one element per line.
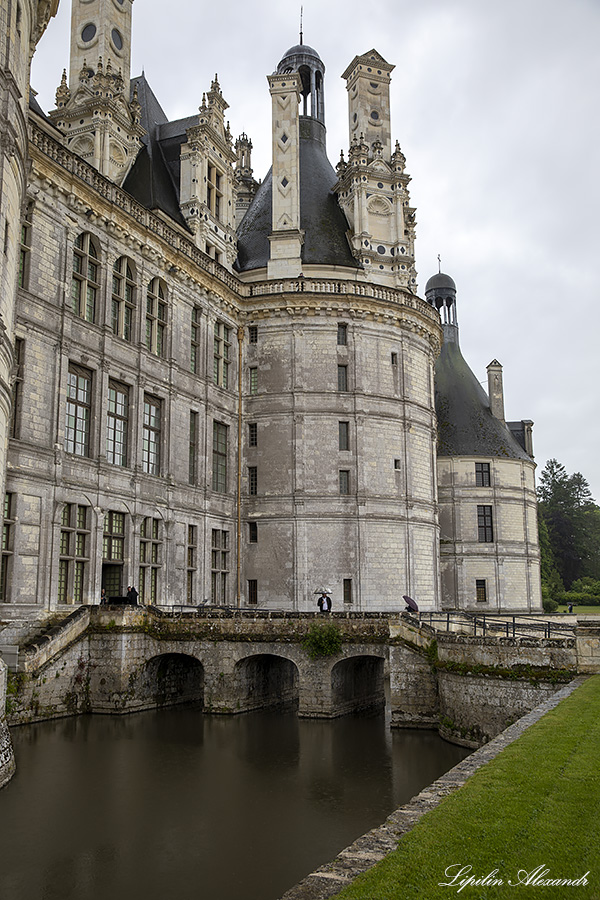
<point>117,423</point>
<point>156,317</point>
<point>123,298</point>
<point>78,411</point>
<point>85,279</point>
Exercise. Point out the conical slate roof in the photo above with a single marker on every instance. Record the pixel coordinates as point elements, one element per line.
<point>321,217</point>
<point>466,425</point>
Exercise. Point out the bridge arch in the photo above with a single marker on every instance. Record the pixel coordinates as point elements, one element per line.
<point>267,680</point>
<point>171,678</point>
<point>357,682</point>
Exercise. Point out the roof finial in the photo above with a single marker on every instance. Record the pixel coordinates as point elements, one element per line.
<point>439,264</point>
<point>301,11</point>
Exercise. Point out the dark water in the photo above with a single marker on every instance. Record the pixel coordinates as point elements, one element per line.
<point>174,805</point>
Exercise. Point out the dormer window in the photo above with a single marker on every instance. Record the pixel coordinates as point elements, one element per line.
<point>214,192</point>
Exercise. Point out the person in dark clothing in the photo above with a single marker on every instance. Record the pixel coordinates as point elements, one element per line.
<point>324,603</point>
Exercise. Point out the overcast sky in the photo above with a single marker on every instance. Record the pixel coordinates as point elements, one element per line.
<point>495,106</point>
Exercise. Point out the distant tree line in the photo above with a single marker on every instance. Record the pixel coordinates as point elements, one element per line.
<point>569,526</point>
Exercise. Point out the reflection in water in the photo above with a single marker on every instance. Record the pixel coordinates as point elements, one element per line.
<point>175,805</point>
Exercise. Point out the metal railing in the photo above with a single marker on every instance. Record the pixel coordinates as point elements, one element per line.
<point>487,625</point>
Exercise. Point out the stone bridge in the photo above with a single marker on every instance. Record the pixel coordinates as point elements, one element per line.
<point>109,659</point>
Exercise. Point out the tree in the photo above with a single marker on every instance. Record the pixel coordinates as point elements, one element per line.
<point>570,524</point>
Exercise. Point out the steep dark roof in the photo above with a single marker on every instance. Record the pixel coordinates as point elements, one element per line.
<point>466,426</point>
<point>321,217</point>
<point>154,177</point>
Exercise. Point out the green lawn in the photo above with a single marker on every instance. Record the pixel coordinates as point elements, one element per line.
<point>536,804</point>
<point>580,610</point>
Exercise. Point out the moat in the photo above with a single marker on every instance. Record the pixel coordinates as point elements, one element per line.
<point>175,804</point>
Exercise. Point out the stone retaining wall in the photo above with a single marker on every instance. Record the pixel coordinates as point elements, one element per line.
<point>7,759</point>
<point>369,849</point>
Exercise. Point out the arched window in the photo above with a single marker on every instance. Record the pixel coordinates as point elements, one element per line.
<point>123,298</point>
<point>85,281</point>
<point>156,317</point>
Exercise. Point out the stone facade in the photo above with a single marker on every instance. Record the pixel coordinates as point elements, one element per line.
<point>7,759</point>
<point>214,409</point>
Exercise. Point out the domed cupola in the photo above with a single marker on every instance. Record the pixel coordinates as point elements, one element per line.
<point>440,292</point>
<point>303,59</point>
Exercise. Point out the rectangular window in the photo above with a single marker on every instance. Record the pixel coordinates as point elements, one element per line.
<point>117,418</point>
<point>214,193</point>
<point>7,546</point>
<point>17,391</point>
<point>219,565</point>
<point>482,474</point>
<point>252,434</point>
<point>193,448</point>
<point>150,559</point>
<point>123,298</point>
<point>192,539</point>
<point>222,347</point>
<point>481,590</point>
<point>252,480</point>
<point>342,334</point>
<point>253,380</point>
<point>253,334</point>
<point>394,359</point>
<point>344,481</point>
<point>252,591</point>
<point>195,341</point>
<point>78,414</point>
<point>344,435</point>
<point>485,524</point>
<point>156,317</point>
<point>253,532</point>
<point>219,474</point>
<point>113,538</point>
<point>74,554</point>
<point>342,378</point>
<point>347,590</point>
<point>25,249</point>
<point>151,436</point>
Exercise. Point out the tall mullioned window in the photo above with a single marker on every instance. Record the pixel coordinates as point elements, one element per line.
<point>219,565</point>
<point>342,334</point>
<point>74,553</point>
<point>219,473</point>
<point>156,317</point>
<point>342,378</point>
<point>123,298</point>
<point>151,436</point>
<point>25,248</point>
<point>193,449</point>
<point>253,379</point>
<point>150,559</point>
<point>17,391</point>
<point>222,345</point>
<point>85,284</point>
<point>117,418</point>
<point>195,341</point>
<point>78,413</point>
<point>214,193</point>
<point>192,540</point>
<point>7,546</point>
<point>485,525</point>
<point>252,480</point>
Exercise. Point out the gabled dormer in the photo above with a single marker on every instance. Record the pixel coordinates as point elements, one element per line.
<point>207,180</point>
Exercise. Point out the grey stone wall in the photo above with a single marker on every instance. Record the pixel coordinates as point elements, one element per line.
<point>7,759</point>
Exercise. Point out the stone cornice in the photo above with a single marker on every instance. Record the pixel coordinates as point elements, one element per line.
<point>170,247</point>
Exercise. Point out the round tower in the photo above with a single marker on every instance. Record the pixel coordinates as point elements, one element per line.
<point>486,487</point>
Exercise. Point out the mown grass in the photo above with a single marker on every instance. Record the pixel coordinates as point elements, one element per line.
<point>536,804</point>
<point>579,610</point>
